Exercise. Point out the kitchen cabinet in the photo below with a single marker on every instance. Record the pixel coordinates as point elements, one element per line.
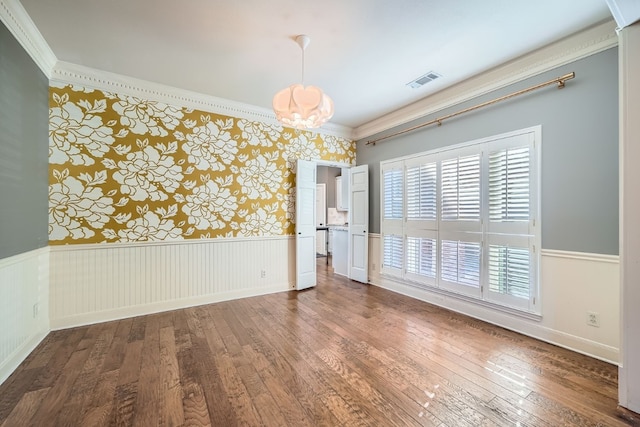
<point>339,193</point>
<point>342,191</point>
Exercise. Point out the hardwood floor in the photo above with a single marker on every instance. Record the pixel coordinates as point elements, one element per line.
<point>342,353</point>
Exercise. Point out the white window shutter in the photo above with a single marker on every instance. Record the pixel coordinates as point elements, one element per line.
<point>392,193</point>
<point>421,257</point>
<point>422,181</point>
<point>509,270</point>
<point>460,193</point>
<point>509,190</point>
<point>392,253</point>
<point>465,219</point>
<point>460,262</point>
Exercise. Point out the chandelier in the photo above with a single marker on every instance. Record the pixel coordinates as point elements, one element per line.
<point>302,107</point>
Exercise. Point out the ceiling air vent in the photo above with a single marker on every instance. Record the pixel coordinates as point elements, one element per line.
<point>423,79</point>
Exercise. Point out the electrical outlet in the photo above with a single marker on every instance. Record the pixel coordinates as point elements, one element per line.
<point>36,310</point>
<point>263,274</point>
<point>593,319</point>
<point>373,266</point>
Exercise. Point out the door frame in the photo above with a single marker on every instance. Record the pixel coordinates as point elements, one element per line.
<point>322,186</point>
<point>330,164</point>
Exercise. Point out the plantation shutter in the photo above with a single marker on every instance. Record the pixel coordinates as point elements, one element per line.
<point>511,209</point>
<point>422,189</point>
<point>510,270</point>
<point>460,264</point>
<point>509,190</point>
<point>392,251</point>
<point>464,219</point>
<point>460,193</point>
<point>392,207</point>
<point>392,193</point>
<point>422,258</point>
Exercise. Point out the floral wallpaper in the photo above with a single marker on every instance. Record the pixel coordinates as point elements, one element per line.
<point>123,169</point>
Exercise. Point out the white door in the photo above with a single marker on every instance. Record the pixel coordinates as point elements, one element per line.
<point>359,223</point>
<point>305,224</point>
<point>321,218</point>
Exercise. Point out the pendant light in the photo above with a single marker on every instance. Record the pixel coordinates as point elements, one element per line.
<point>302,107</point>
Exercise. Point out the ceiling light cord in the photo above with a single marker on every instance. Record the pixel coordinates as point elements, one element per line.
<point>303,49</point>
<point>303,41</point>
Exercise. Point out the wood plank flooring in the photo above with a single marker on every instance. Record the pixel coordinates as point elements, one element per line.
<point>342,353</point>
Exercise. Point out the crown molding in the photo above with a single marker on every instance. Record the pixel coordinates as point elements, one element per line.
<point>580,45</point>
<point>68,73</point>
<point>18,22</point>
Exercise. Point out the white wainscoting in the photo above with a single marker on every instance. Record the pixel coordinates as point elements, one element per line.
<point>96,283</point>
<point>572,284</point>
<point>24,307</point>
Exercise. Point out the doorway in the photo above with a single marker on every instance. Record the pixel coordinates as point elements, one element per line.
<point>356,187</point>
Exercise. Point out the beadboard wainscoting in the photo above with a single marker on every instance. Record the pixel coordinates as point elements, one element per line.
<point>24,306</point>
<point>96,283</point>
<point>573,284</point>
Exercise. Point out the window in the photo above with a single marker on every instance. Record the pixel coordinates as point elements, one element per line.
<point>463,219</point>
<point>392,217</point>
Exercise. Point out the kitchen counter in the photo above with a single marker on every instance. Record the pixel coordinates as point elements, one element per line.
<point>341,227</point>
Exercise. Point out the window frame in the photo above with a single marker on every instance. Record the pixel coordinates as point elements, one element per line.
<point>514,234</point>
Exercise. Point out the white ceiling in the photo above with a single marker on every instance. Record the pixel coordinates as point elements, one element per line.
<point>362,52</point>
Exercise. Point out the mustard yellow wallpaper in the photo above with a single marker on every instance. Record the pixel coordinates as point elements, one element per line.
<point>123,169</point>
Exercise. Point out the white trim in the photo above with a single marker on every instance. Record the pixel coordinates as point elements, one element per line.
<point>158,307</point>
<point>17,20</point>
<point>524,326</point>
<point>24,256</point>
<point>629,207</point>
<point>24,285</point>
<point>115,245</point>
<point>567,50</point>
<point>613,259</point>
<point>20,354</point>
<point>68,73</point>
<point>472,309</point>
<point>562,320</point>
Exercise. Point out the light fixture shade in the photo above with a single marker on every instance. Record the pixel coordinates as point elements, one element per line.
<point>302,108</point>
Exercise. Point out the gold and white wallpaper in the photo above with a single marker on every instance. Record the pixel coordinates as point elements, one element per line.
<point>123,169</point>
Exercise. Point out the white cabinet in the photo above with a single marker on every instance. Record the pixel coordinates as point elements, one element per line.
<point>342,191</point>
<point>339,193</point>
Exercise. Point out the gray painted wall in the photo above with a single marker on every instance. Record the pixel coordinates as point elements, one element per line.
<point>579,150</point>
<point>24,123</point>
<point>327,175</point>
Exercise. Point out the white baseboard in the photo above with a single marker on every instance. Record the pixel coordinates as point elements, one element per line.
<point>158,307</point>
<point>24,307</point>
<point>572,284</point>
<point>20,354</point>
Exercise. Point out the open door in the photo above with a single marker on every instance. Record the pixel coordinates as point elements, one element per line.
<point>305,224</point>
<point>359,223</point>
